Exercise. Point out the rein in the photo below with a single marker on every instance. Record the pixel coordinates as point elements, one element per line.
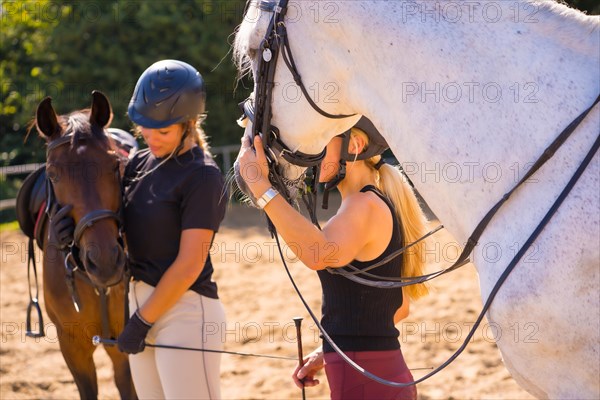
<point>276,38</point>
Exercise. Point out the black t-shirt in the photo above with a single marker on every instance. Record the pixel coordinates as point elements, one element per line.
<point>183,193</point>
<point>360,317</point>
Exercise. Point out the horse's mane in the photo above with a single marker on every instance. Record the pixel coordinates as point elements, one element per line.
<point>561,9</point>
<point>240,58</point>
<point>579,34</point>
<point>555,10</point>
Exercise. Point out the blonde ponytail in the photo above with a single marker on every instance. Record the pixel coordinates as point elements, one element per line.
<point>198,134</point>
<point>414,223</point>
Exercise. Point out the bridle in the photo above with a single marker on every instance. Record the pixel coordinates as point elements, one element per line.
<point>72,262</point>
<point>276,41</point>
<point>90,218</point>
<point>260,113</point>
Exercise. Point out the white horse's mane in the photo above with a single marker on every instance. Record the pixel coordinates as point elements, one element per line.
<point>562,9</point>
<point>574,34</point>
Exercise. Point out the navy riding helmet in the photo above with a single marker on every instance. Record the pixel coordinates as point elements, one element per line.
<point>168,92</point>
<point>377,144</point>
<point>125,141</point>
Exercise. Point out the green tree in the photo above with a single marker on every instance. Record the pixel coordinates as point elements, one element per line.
<point>107,48</point>
<point>26,67</point>
<point>591,7</point>
<point>66,49</point>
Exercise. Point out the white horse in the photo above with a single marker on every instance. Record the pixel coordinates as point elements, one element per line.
<point>468,94</point>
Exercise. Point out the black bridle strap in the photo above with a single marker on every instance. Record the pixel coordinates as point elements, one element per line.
<point>65,139</point>
<point>266,73</point>
<point>274,41</point>
<point>478,231</point>
<point>546,155</point>
<point>563,195</point>
<point>276,148</point>
<point>288,58</point>
<point>90,218</point>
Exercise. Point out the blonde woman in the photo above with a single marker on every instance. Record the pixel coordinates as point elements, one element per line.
<point>378,215</point>
<point>173,205</point>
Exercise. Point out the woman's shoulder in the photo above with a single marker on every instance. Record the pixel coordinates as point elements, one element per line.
<point>202,162</point>
<point>201,169</point>
<point>368,203</point>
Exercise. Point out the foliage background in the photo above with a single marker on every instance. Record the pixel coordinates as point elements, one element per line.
<point>65,49</point>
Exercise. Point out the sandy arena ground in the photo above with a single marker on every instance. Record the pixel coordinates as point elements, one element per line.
<point>260,303</point>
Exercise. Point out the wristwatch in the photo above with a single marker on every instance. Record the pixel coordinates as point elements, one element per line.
<point>266,197</point>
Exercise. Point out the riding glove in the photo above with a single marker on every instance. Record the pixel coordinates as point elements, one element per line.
<point>61,228</point>
<point>132,339</point>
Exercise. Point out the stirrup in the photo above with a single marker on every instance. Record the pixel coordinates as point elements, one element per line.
<point>29,332</point>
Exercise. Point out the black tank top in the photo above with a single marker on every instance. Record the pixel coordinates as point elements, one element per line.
<point>359,317</point>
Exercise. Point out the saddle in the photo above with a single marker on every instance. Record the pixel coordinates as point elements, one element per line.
<point>31,206</point>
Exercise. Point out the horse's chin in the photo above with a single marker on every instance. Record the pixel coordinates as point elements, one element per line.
<point>242,184</point>
<point>102,282</point>
<point>251,200</point>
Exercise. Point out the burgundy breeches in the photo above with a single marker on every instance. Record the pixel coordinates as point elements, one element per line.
<point>348,384</point>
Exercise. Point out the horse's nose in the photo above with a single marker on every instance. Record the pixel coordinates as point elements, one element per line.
<point>105,266</point>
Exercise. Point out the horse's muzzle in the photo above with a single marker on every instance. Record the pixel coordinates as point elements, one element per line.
<point>104,265</point>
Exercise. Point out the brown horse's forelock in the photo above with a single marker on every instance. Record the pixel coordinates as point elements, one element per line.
<point>78,123</point>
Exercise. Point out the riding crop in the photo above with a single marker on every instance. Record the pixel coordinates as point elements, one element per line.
<point>298,322</point>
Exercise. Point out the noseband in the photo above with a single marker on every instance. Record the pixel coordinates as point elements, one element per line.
<point>274,146</point>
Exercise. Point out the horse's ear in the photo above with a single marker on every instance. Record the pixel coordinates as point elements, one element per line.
<point>101,114</point>
<point>46,121</point>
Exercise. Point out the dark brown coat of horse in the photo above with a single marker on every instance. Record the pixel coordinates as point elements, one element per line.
<point>85,172</point>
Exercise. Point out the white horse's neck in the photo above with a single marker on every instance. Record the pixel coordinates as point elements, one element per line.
<point>494,70</point>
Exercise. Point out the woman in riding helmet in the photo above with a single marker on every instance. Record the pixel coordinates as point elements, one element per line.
<point>174,202</point>
<point>378,215</point>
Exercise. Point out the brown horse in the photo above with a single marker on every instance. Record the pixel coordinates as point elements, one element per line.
<point>84,170</point>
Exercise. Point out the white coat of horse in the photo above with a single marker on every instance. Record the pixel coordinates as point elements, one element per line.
<point>468,94</point>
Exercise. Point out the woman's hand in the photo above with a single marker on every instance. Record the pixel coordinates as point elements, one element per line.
<point>305,376</point>
<point>254,167</point>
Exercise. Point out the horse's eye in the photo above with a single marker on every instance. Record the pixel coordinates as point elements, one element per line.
<point>53,177</point>
<point>52,174</point>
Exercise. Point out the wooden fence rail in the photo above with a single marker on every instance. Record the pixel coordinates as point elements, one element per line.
<point>224,152</point>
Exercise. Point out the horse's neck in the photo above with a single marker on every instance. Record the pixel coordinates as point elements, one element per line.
<point>462,102</point>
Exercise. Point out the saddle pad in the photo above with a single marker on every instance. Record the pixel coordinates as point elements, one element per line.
<point>30,198</point>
